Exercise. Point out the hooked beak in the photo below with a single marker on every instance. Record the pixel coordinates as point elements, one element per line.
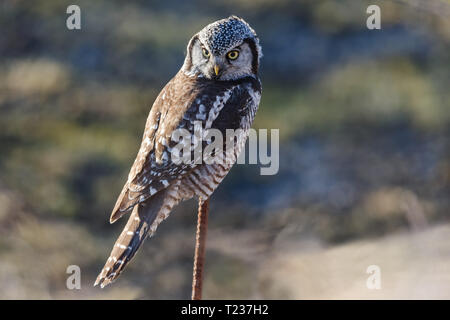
<point>216,69</point>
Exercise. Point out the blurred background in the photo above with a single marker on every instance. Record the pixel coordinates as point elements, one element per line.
<point>364,150</point>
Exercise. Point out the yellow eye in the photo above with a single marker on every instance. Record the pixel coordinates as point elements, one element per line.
<point>233,54</point>
<point>205,53</point>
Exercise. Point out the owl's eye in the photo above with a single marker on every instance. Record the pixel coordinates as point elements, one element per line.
<point>233,54</point>
<point>205,53</point>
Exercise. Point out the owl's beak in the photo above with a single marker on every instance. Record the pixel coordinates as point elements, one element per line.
<point>216,69</point>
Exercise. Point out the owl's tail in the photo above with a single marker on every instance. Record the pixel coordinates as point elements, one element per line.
<point>143,221</point>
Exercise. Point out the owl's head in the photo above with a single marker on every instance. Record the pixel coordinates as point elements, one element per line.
<point>227,49</point>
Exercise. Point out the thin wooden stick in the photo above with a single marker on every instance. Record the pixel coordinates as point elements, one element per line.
<point>200,244</point>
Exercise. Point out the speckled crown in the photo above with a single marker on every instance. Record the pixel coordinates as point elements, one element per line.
<point>226,33</point>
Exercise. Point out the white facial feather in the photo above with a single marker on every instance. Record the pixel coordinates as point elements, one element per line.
<point>239,68</point>
<point>219,38</point>
<point>229,69</point>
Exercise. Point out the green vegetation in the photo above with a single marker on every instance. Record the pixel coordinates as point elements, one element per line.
<point>364,126</point>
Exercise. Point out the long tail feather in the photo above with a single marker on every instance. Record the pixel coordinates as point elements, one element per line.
<point>143,221</point>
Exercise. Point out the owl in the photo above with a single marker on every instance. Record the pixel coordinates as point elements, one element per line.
<point>218,88</point>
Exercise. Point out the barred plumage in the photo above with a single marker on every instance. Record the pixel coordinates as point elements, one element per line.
<point>228,100</point>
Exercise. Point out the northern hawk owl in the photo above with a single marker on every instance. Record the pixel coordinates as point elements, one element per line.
<point>217,87</point>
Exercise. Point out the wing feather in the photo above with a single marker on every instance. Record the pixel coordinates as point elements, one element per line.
<point>183,101</point>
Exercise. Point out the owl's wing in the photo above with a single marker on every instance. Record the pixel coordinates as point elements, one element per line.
<point>156,184</point>
<point>183,102</point>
